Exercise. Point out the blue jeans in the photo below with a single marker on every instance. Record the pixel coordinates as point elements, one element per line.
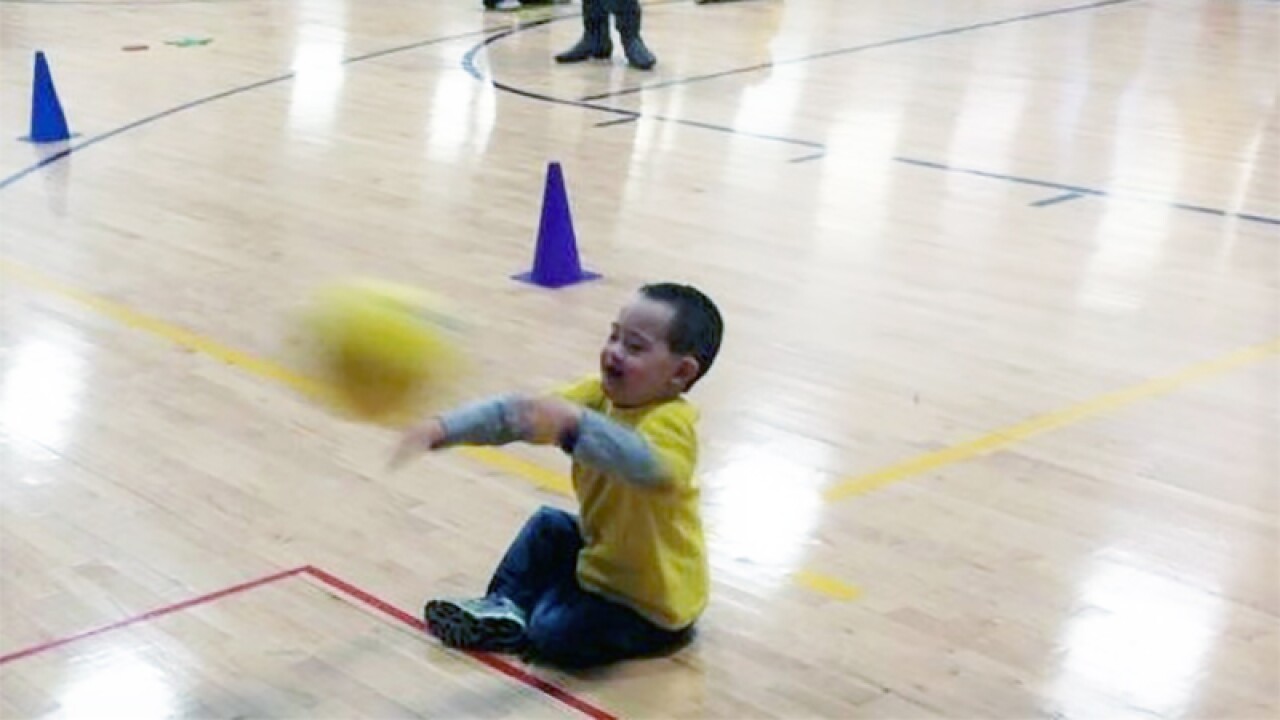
<point>567,625</point>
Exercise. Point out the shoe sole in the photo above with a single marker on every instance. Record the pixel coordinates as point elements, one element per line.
<point>460,629</point>
<point>562,58</point>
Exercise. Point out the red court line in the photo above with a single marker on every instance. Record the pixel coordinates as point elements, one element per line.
<point>553,691</point>
<point>335,583</point>
<point>152,615</point>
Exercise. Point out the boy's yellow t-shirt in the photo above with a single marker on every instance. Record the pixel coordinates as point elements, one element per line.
<point>644,546</point>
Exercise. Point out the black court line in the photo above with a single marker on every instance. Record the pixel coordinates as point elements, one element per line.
<point>738,131</point>
<point>1207,211</point>
<point>495,34</point>
<point>90,142</point>
<point>1251,217</point>
<point>809,158</point>
<point>1070,192</point>
<point>469,64</point>
<point>1056,199</point>
<point>857,49</point>
<point>119,3</point>
<point>1000,176</point>
<point>472,68</point>
<point>623,121</point>
<point>77,147</point>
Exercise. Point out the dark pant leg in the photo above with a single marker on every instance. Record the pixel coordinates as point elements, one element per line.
<point>627,16</point>
<point>544,555</point>
<point>574,628</point>
<point>595,42</point>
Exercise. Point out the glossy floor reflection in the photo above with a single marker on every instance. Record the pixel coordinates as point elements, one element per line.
<point>993,433</point>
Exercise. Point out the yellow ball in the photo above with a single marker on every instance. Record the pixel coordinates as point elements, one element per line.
<point>381,352</point>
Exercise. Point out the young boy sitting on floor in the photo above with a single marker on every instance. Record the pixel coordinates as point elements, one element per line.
<point>628,576</point>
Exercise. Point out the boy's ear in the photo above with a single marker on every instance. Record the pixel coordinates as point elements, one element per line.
<point>686,371</point>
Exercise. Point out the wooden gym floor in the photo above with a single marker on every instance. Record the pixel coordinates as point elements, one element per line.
<point>994,432</point>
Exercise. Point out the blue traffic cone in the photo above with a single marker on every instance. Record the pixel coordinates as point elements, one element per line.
<point>555,261</point>
<point>48,122</point>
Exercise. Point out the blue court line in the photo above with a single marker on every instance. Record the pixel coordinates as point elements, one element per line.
<point>857,49</point>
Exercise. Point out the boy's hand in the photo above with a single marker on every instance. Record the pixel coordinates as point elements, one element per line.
<point>418,439</point>
<point>544,420</point>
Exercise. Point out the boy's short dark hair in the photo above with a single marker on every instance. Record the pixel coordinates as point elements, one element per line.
<point>696,328</point>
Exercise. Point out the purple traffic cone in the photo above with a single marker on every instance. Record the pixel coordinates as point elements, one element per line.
<point>555,261</point>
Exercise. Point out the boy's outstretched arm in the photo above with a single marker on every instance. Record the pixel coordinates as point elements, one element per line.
<point>497,421</point>
<point>589,436</point>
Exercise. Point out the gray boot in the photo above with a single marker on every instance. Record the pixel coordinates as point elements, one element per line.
<point>595,42</point>
<point>627,18</point>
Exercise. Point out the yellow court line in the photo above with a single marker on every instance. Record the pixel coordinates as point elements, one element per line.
<point>833,588</point>
<point>549,480</point>
<point>536,474</point>
<point>174,334</point>
<point>540,477</point>
<point>533,473</point>
<point>1005,437</point>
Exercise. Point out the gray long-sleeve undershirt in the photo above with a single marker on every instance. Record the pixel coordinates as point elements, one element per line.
<point>600,442</point>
